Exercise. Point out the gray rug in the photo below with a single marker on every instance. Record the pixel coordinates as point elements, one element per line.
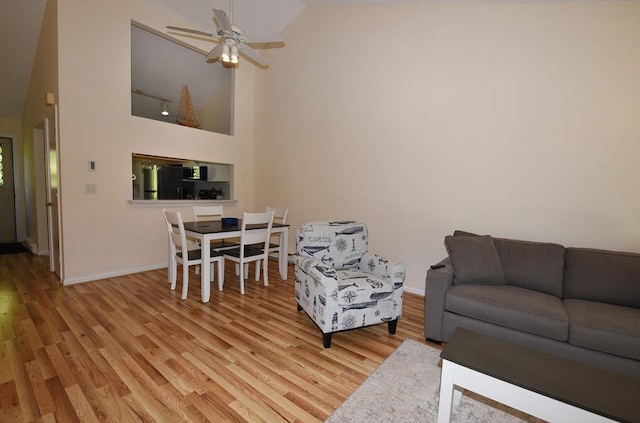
<point>405,388</point>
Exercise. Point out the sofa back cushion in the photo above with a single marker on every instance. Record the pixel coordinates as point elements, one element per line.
<point>605,276</point>
<point>538,266</point>
<point>532,265</point>
<point>339,244</point>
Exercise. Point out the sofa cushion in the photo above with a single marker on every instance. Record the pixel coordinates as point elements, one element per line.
<point>475,260</point>
<point>603,276</point>
<point>512,307</point>
<point>532,265</point>
<point>358,289</point>
<point>604,327</point>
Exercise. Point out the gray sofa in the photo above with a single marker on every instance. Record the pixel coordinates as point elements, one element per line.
<point>578,303</point>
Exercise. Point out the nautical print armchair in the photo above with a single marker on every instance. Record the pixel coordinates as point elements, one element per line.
<point>339,284</point>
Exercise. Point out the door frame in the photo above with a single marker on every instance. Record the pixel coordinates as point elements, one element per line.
<point>51,118</point>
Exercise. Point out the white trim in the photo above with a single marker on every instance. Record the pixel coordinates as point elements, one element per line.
<point>413,290</point>
<point>91,278</point>
<point>177,203</point>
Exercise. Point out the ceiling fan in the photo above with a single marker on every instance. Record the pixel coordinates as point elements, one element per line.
<point>231,40</point>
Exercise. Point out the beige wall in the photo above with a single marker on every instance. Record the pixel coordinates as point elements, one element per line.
<point>43,80</point>
<point>104,234</point>
<point>518,119</point>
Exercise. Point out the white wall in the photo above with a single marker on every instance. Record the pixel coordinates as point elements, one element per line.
<point>518,120</point>
<point>104,234</point>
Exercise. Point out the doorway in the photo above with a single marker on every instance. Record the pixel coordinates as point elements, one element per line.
<point>7,192</point>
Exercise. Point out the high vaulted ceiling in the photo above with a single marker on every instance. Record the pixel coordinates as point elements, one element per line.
<point>20,22</point>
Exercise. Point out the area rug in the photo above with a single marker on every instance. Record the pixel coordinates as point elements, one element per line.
<point>405,388</point>
<point>12,248</point>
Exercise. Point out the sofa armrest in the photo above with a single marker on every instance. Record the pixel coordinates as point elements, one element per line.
<point>383,268</point>
<point>437,283</point>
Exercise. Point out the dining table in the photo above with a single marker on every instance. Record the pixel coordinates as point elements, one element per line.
<point>209,230</point>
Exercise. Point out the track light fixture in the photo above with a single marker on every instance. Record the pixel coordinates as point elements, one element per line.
<point>164,106</point>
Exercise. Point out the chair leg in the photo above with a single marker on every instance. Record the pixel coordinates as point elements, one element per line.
<point>185,281</point>
<point>266,273</point>
<point>326,340</point>
<point>257,270</point>
<point>241,277</point>
<point>173,266</point>
<point>392,326</point>
<point>220,274</point>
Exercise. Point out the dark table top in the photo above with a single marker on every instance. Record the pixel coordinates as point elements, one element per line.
<point>216,226</point>
<point>594,389</point>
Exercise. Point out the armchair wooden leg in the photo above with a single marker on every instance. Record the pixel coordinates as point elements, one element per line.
<point>326,340</point>
<point>392,326</point>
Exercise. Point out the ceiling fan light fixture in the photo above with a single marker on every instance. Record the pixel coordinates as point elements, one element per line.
<point>165,108</point>
<point>234,55</point>
<point>225,54</point>
<point>230,39</point>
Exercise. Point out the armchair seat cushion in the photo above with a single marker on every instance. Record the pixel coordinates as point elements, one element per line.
<point>357,289</point>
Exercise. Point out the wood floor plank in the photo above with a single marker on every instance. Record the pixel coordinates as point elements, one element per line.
<point>128,349</point>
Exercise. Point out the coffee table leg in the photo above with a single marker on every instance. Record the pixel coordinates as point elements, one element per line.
<point>457,396</point>
<point>446,392</point>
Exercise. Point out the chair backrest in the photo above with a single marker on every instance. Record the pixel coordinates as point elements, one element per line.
<point>256,236</point>
<point>175,227</point>
<point>280,214</point>
<point>208,213</point>
<point>336,244</point>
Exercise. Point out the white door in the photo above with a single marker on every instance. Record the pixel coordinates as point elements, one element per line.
<point>7,192</point>
<point>53,189</point>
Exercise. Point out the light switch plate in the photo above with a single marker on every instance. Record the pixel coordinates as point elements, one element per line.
<point>91,189</point>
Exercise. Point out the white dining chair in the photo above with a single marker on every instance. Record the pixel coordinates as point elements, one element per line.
<point>180,253</point>
<point>254,246</point>
<point>279,216</point>
<point>201,213</point>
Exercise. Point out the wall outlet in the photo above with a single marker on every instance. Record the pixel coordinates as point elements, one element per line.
<point>91,189</point>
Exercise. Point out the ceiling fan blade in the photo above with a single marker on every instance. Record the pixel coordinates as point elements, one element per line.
<point>215,53</point>
<point>191,31</point>
<point>222,20</point>
<point>252,54</point>
<point>263,38</point>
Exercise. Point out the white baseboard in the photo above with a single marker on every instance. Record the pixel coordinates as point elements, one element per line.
<point>122,272</point>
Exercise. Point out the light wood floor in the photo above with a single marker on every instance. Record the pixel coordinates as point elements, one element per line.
<point>128,349</point>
